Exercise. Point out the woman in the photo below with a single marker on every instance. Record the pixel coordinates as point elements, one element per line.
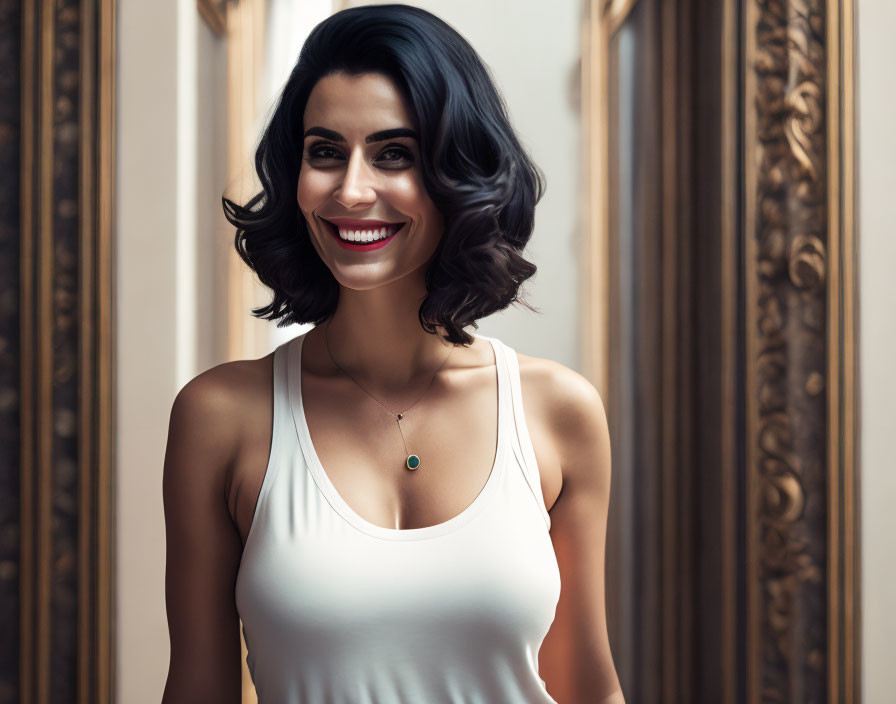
<point>379,500</point>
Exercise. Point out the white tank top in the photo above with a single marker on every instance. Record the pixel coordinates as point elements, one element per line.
<point>338,610</point>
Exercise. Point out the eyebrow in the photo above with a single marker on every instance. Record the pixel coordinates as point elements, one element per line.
<point>380,136</point>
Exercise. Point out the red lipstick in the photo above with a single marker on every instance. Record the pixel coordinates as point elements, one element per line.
<point>354,224</point>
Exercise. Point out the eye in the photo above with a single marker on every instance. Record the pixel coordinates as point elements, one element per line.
<point>395,154</point>
<point>323,152</point>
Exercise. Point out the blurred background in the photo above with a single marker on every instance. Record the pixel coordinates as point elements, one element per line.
<point>714,253</point>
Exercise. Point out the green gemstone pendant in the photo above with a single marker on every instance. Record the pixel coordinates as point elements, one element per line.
<point>413,462</point>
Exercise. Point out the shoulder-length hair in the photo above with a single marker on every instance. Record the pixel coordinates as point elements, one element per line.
<point>474,169</point>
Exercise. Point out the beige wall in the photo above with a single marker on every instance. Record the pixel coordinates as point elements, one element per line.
<point>171,142</point>
<point>214,235</point>
<point>145,340</point>
<point>876,160</point>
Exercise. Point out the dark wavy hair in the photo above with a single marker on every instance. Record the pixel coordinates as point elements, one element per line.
<point>474,169</point>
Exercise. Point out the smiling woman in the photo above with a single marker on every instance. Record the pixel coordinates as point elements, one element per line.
<point>372,554</point>
<point>357,167</point>
<point>433,127</point>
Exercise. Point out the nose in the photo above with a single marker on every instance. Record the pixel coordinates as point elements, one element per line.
<point>357,183</point>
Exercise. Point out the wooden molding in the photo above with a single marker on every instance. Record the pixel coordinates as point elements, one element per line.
<point>801,550</point>
<point>214,12</point>
<point>63,410</point>
<point>756,521</point>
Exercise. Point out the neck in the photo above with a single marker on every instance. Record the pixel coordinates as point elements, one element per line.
<point>376,337</point>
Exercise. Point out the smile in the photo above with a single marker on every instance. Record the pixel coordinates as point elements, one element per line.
<point>361,235</point>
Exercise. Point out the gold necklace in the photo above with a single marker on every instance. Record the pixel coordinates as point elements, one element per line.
<point>413,460</point>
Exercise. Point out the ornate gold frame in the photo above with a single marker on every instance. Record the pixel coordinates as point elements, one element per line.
<point>66,291</point>
<point>814,152</point>
<point>787,146</point>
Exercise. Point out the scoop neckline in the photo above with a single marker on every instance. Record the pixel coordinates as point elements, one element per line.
<point>328,489</point>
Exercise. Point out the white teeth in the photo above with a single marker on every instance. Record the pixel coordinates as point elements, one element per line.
<point>366,235</point>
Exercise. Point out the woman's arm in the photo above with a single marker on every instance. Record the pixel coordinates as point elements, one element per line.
<point>575,659</point>
<point>203,547</point>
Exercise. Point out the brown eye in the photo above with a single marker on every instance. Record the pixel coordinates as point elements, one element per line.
<point>396,154</point>
<point>323,153</point>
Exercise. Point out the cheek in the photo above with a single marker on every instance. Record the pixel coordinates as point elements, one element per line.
<point>422,203</point>
<point>410,192</point>
<point>312,188</point>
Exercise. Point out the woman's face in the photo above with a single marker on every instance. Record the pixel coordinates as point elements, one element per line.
<point>360,171</point>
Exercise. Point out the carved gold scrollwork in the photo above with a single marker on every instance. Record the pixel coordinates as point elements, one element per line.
<point>790,231</point>
<point>807,262</point>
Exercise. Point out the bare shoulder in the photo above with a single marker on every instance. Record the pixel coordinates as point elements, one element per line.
<point>203,546</point>
<point>575,659</point>
<point>228,383</point>
<point>212,407</point>
<point>573,413</point>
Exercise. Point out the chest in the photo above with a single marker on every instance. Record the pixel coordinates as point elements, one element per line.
<point>480,597</point>
<point>356,589</point>
<point>363,449</point>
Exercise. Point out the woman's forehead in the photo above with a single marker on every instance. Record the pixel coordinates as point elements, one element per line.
<point>365,101</point>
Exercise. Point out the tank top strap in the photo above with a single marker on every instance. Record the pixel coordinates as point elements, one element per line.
<point>517,430</point>
<point>282,415</point>
<point>283,440</point>
<point>505,402</point>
